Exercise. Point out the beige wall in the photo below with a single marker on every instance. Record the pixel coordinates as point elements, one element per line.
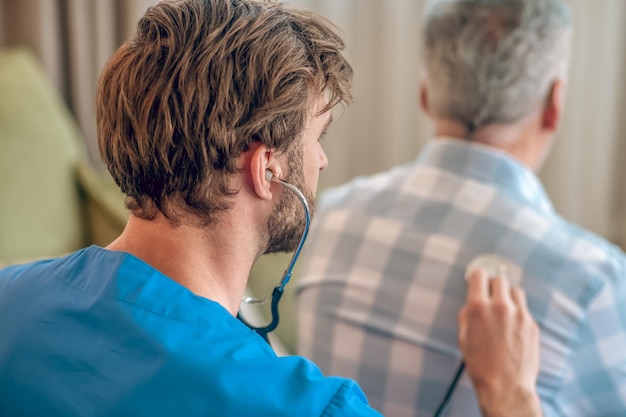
<point>2,30</point>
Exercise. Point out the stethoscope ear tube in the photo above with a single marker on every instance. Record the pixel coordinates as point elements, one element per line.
<point>279,289</point>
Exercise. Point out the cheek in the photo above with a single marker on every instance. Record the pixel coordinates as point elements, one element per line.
<point>314,162</point>
<point>321,160</point>
<point>312,172</point>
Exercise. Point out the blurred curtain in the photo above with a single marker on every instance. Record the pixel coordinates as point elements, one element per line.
<point>72,39</point>
<point>584,173</point>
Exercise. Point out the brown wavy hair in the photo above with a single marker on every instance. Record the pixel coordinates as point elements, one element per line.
<point>201,81</point>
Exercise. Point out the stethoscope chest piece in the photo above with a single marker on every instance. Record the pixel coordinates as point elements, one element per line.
<point>495,266</point>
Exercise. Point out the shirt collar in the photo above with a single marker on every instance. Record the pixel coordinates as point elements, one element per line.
<point>488,165</point>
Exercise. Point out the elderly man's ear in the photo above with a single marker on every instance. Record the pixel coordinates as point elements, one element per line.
<point>553,108</point>
<point>423,95</point>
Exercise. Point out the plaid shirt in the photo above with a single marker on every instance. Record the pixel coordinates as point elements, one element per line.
<point>382,283</point>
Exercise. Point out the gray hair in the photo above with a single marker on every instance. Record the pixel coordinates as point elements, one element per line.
<point>493,61</point>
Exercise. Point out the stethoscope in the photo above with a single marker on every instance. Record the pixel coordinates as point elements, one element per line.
<point>277,293</point>
<point>494,266</point>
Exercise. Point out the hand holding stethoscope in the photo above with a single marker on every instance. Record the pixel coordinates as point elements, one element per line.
<point>494,266</point>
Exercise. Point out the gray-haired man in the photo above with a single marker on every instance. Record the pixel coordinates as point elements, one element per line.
<point>379,295</point>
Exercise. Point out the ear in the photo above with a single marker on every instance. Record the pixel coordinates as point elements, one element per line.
<point>423,93</point>
<point>263,159</point>
<point>553,109</point>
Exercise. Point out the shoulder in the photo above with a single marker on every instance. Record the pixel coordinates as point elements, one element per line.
<point>335,396</point>
<point>363,189</point>
<point>293,386</point>
<point>593,253</point>
<point>34,267</point>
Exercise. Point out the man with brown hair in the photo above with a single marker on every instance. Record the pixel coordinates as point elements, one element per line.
<point>198,115</point>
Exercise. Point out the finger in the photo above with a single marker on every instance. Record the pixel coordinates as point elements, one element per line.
<point>478,286</point>
<point>462,322</point>
<point>500,289</point>
<point>519,298</point>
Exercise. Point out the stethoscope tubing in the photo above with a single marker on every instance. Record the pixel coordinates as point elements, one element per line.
<point>278,291</point>
<point>444,405</point>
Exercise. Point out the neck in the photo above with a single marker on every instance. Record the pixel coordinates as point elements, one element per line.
<point>198,258</point>
<point>522,140</point>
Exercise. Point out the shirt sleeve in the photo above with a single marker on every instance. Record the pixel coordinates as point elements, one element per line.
<point>349,401</point>
<point>595,380</point>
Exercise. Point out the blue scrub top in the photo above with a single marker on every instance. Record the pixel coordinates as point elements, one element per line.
<point>101,333</point>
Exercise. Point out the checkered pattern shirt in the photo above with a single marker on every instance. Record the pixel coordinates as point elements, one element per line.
<point>382,283</point>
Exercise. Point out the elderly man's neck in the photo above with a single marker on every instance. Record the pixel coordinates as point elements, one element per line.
<point>523,140</point>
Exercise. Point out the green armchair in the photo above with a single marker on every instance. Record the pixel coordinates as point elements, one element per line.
<point>52,201</point>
